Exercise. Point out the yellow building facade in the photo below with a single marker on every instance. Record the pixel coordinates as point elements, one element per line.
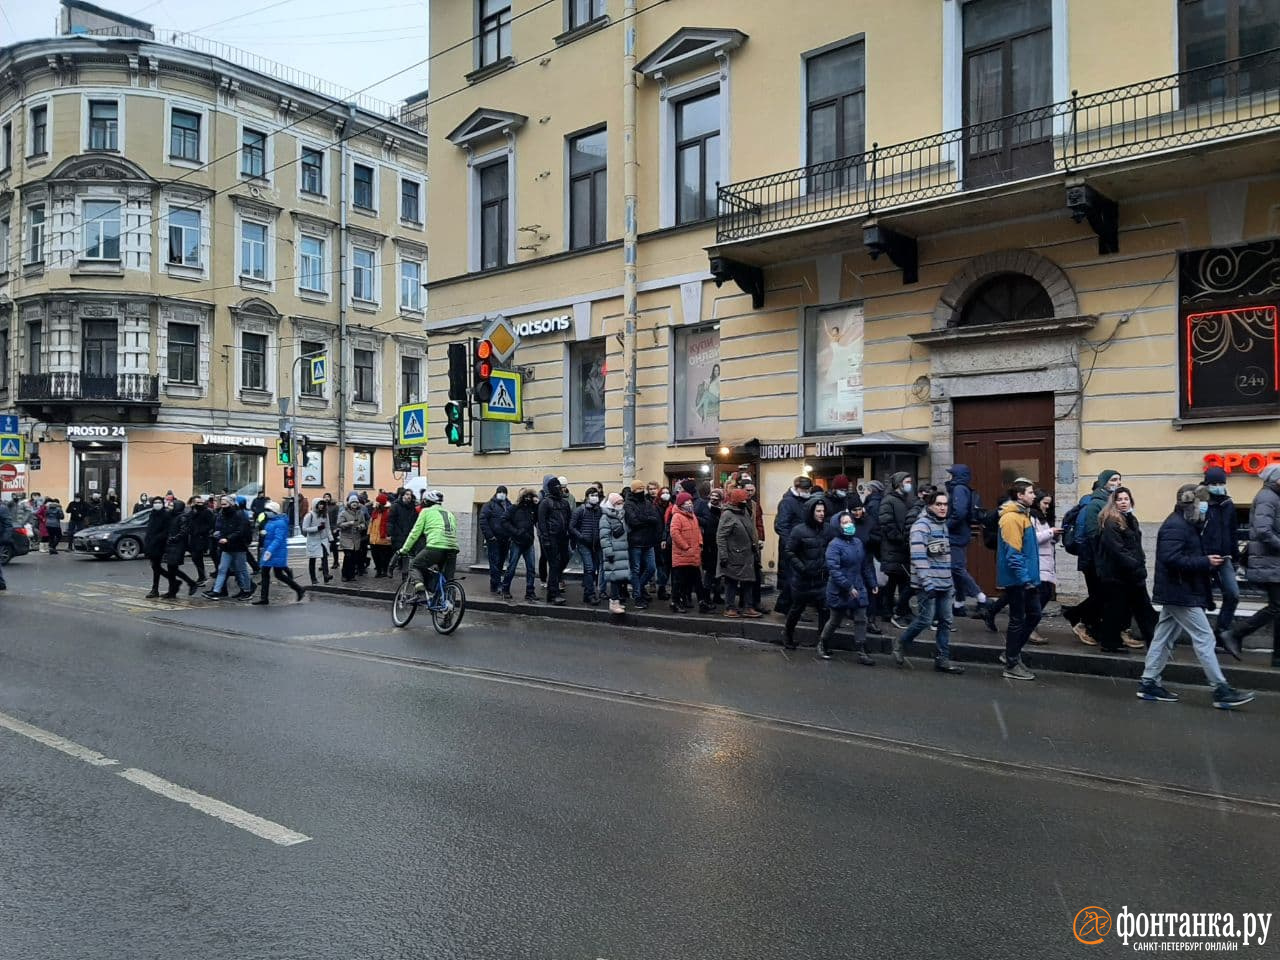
<point>1036,237</point>
<point>179,237</point>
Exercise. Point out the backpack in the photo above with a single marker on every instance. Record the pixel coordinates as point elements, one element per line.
<point>991,528</point>
<point>1073,528</point>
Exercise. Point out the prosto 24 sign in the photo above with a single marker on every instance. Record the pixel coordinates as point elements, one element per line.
<point>95,430</point>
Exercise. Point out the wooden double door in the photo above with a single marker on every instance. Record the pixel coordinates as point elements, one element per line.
<point>1001,439</point>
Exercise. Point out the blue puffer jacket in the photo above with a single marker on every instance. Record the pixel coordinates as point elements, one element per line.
<point>1182,565</point>
<point>960,494</point>
<point>275,542</point>
<point>848,566</point>
<point>1219,533</point>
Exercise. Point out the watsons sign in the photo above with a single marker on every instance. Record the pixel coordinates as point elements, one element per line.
<point>227,440</point>
<point>536,328</point>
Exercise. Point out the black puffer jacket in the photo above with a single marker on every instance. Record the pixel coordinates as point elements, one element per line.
<point>554,515</point>
<point>200,521</point>
<point>233,526</point>
<point>400,522</point>
<point>490,516</point>
<point>157,535</point>
<point>1120,556</point>
<point>519,524</point>
<point>584,526</point>
<point>1264,535</point>
<point>807,551</point>
<point>1182,565</point>
<point>644,522</point>
<point>180,524</point>
<point>894,529</point>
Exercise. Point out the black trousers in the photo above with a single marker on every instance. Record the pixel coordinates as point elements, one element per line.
<point>1024,617</point>
<point>157,571</point>
<point>350,561</point>
<point>284,575</point>
<point>685,582</point>
<point>197,558</point>
<point>1121,604</point>
<point>800,599</point>
<point>899,580</point>
<point>381,557</point>
<point>175,574</point>
<point>557,555</point>
<point>324,565</point>
<point>1268,614</point>
<point>783,603</point>
<point>1089,610</point>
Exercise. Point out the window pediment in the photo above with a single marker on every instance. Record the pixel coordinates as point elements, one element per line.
<point>690,47</point>
<point>484,124</point>
<point>112,169</point>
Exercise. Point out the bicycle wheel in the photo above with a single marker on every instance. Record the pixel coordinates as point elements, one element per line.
<point>446,621</point>
<point>403,607</point>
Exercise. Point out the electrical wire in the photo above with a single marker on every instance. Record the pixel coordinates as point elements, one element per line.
<point>240,16</point>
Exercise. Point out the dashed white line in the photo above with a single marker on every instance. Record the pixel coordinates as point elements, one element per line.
<point>68,747</point>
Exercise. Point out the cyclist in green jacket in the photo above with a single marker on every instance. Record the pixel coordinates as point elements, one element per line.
<point>438,531</point>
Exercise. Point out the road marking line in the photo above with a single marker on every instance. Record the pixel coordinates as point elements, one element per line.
<point>266,829</point>
<point>71,749</point>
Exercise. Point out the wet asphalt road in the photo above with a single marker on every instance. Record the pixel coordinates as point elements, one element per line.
<point>523,790</point>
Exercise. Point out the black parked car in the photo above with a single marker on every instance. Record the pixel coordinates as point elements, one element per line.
<point>122,540</point>
<point>20,546</point>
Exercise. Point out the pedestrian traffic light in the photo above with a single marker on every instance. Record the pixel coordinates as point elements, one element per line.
<point>284,450</point>
<point>290,478</point>
<point>303,445</point>
<point>482,366</point>
<point>453,425</point>
<point>458,372</point>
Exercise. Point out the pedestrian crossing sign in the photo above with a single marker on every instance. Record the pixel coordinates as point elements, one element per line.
<point>506,404</point>
<point>413,424</point>
<point>318,367</point>
<point>10,447</point>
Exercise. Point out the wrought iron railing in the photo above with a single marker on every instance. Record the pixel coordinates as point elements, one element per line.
<point>121,387</point>
<point>1227,99</point>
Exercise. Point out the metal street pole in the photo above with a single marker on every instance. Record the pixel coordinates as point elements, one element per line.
<point>629,241</point>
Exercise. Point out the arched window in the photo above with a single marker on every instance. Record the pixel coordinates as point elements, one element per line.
<point>1005,298</point>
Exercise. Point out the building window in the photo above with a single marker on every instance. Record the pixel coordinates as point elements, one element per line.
<point>184,237</point>
<point>582,12</point>
<point>836,91</point>
<point>1211,31</point>
<point>104,125</point>
<point>34,339</point>
<point>184,347</point>
<point>311,273</point>
<point>697,157</point>
<point>5,225</point>
<point>410,379</point>
<point>588,367</point>
<point>410,201</point>
<point>35,233</point>
<point>495,31</point>
<point>588,189</point>
<point>4,359</point>
<point>99,343</point>
<point>362,186</point>
<point>101,238</point>
<point>1006,298</point>
<point>253,361</point>
<point>494,199</point>
<point>697,383</point>
<point>312,171</point>
<point>253,250</point>
<point>833,369</point>
<point>410,285</point>
<point>362,274</point>
<point>6,146</point>
<point>1229,308</point>
<point>253,153</point>
<point>310,348</point>
<point>184,135</point>
<point>362,366</point>
<point>39,131</point>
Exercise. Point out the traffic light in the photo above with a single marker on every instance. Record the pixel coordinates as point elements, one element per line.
<point>482,365</point>
<point>284,450</point>
<point>303,442</point>
<point>290,478</point>
<point>458,372</point>
<point>453,425</point>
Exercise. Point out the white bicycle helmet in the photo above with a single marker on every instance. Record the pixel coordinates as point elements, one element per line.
<point>433,496</point>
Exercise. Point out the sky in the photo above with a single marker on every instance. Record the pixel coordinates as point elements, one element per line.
<point>353,43</point>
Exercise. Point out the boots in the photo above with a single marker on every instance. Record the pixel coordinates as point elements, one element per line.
<point>616,607</point>
<point>823,652</point>
<point>789,642</point>
<point>662,593</point>
<point>864,658</point>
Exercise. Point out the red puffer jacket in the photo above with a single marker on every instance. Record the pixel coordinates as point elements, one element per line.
<point>686,539</point>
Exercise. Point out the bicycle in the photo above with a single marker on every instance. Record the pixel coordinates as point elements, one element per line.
<point>447,603</point>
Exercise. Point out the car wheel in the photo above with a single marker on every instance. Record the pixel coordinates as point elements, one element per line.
<point>128,548</point>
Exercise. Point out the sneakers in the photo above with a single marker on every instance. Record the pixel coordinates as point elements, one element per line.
<point>1224,698</point>
<point>1130,641</point>
<point>1036,638</point>
<point>1082,632</point>
<point>732,613</point>
<point>946,666</point>
<point>823,652</point>
<point>989,618</point>
<point>243,596</point>
<point>616,607</point>
<point>751,614</point>
<point>1151,690</point>
<point>210,595</point>
<point>934,626</point>
<point>898,623</point>
<point>1018,672</point>
<point>153,594</point>
<point>899,653</point>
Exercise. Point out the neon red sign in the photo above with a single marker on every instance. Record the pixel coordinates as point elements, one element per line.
<point>1253,463</point>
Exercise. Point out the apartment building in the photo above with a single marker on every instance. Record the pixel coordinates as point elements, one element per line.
<point>1038,237</point>
<point>179,237</point>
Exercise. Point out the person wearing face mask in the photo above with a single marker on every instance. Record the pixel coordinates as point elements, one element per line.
<point>175,550</point>
<point>709,519</point>
<point>1018,575</point>
<point>200,528</point>
<point>1121,565</point>
<point>615,555</point>
<point>851,585</point>
<point>686,557</point>
<point>232,534</point>
<point>662,554</point>
<point>496,546</point>
<point>895,549</point>
<point>1086,617</point>
<point>931,576</point>
<point>737,553</point>
<point>806,553</point>
<point>1182,588</point>
<point>584,536</point>
<point>315,526</point>
<point>644,532</point>
<point>839,498</point>
<point>1219,536</point>
<point>519,525</point>
<point>404,514</point>
<point>554,516</point>
<point>144,503</point>
<point>790,514</point>
<point>153,543</point>
<point>1264,560</point>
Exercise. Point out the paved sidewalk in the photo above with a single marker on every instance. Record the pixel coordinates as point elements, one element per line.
<point>971,641</point>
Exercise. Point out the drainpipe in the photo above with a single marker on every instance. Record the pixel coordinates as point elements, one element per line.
<point>629,242</point>
<point>340,392</point>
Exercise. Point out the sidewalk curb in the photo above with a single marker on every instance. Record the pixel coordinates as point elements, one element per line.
<point>769,630</point>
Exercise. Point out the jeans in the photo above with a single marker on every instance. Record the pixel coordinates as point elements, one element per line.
<point>590,566</point>
<point>497,551</point>
<point>1195,623</point>
<point>1024,617</point>
<point>643,569</point>
<point>1268,614</point>
<point>233,560</point>
<point>1229,584</point>
<point>516,554</point>
<point>965,585</point>
<point>932,605</point>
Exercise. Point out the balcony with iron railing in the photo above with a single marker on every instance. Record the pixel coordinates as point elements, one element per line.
<point>82,388</point>
<point>1216,104</point>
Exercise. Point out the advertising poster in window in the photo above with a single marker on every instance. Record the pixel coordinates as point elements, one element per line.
<point>313,469</point>
<point>362,468</point>
<point>699,414</point>
<point>837,369</point>
<point>589,372</point>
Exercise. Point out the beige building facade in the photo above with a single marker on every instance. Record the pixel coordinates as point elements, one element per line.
<point>1048,247</point>
<point>179,238</point>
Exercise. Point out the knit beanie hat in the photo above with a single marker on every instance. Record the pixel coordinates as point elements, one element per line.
<point>841,482</point>
<point>637,486</point>
<point>1270,474</point>
<point>689,486</point>
<point>382,499</point>
<point>1215,475</point>
<point>683,498</point>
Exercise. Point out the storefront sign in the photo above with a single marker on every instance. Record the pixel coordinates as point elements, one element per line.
<point>13,478</point>
<point>535,328</point>
<point>1253,463</point>
<point>95,431</point>
<point>228,440</point>
<point>782,451</point>
<point>827,449</point>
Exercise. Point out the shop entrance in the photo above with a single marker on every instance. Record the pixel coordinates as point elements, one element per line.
<point>1001,439</point>
<point>98,471</point>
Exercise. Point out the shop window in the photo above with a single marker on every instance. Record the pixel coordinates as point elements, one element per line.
<point>313,468</point>
<point>697,383</point>
<point>1213,31</point>
<point>218,471</point>
<point>833,343</point>
<point>1229,308</point>
<point>1006,298</point>
<point>588,367</point>
<point>362,468</point>
<point>184,349</point>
